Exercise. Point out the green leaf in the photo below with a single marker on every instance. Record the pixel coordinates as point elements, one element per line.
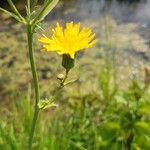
<point>45,10</point>
<point>116,146</point>
<point>44,104</point>
<point>143,142</point>
<point>135,147</point>
<point>145,109</point>
<point>11,14</point>
<point>142,127</point>
<point>14,9</point>
<point>70,81</point>
<point>121,100</point>
<point>109,130</point>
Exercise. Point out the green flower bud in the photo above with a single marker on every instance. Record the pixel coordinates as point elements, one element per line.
<point>67,62</point>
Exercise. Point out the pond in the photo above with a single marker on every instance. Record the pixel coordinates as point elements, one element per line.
<point>83,9</point>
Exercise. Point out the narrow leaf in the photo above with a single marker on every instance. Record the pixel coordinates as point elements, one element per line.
<point>45,10</point>
<point>10,14</point>
<point>43,104</point>
<point>14,9</point>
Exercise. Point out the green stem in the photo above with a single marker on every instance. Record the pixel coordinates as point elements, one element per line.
<point>36,113</point>
<point>36,83</point>
<point>66,76</point>
<point>28,7</point>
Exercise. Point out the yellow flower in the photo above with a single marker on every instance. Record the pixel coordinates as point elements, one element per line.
<point>69,40</point>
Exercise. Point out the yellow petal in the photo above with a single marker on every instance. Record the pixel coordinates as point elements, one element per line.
<point>45,39</point>
<point>92,43</point>
<point>52,47</point>
<point>72,55</point>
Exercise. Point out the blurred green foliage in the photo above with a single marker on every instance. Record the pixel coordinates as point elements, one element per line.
<point>84,122</point>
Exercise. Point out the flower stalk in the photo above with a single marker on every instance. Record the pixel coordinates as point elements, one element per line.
<point>35,80</point>
<point>62,84</point>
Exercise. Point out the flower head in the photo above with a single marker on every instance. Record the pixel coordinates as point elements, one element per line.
<point>69,40</point>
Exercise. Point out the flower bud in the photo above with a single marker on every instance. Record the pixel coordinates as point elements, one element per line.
<point>60,76</point>
<point>67,62</point>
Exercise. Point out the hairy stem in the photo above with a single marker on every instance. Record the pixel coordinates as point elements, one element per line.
<point>36,83</point>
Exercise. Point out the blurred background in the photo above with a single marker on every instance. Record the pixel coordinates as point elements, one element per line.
<point>128,24</point>
<point>122,28</point>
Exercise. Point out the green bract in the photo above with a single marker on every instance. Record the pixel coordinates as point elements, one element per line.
<point>43,104</point>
